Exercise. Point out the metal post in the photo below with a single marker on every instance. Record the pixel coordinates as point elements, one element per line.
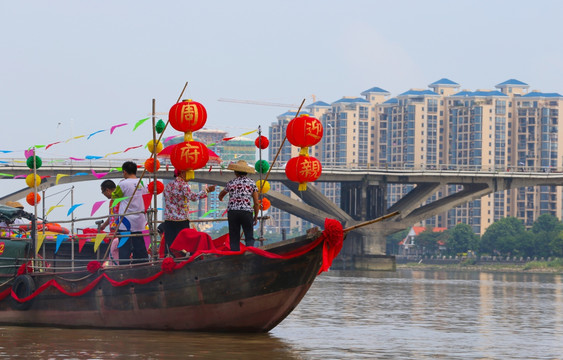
<point>71,228</point>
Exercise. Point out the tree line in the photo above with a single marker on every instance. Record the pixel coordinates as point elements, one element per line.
<point>505,237</point>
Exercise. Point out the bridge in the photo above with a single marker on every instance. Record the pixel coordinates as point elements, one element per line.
<point>363,193</point>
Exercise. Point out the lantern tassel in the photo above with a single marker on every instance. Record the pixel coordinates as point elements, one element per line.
<point>304,151</point>
<point>189,175</point>
<point>302,186</point>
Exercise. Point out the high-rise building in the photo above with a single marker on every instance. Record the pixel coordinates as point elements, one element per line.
<point>444,127</point>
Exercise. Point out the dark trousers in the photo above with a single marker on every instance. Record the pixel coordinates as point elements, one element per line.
<point>238,219</point>
<point>135,245</point>
<point>172,229</point>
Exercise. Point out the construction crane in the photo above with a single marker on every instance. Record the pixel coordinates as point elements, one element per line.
<point>264,103</point>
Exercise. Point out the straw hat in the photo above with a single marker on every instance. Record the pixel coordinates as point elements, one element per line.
<point>241,166</point>
<point>14,204</point>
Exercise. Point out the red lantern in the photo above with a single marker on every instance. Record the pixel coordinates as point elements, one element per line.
<point>149,165</point>
<point>189,156</point>
<point>303,169</point>
<point>31,199</point>
<point>265,204</point>
<point>187,116</point>
<point>261,142</point>
<point>304,131</point>
<point>159,187</point>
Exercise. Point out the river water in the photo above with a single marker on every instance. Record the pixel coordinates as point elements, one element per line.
<point>353,315</point>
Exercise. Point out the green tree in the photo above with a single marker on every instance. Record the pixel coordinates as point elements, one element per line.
<point>500,237</point>
<point>427,241</point>
<point>556,245</point>
<point>460,239</point>
<point>393,240</point>
<point>546,229</point>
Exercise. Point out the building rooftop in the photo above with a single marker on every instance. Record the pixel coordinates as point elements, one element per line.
<point>317,104</point>
<point>414,92</point>
<point>513,83</point>
<point>479,93</point>
<point>444,82</point>
<point>375,90</point>
<point>537,94</point>
<point>351,100</point>
<point>293,113</point>
<point>392,101</point>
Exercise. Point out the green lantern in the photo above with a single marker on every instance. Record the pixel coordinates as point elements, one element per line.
<point>262,166</point>
<point>38,162</point>
<point>159,127</point>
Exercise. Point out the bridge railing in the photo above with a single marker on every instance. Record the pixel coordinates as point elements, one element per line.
<point>13,163</point>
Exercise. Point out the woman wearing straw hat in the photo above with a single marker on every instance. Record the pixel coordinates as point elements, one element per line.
<point>242,190</point>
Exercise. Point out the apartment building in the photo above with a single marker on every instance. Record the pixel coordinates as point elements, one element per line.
<point>444,126</point>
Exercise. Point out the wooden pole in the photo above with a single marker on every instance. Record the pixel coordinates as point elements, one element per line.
<point>153,230</point>
<point>369,222</point>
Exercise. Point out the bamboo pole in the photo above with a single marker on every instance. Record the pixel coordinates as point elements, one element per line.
<point>369,222</point>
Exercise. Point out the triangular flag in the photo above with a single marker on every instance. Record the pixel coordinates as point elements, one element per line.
<point>59,176</point>
<point>28,153</point>
<point>99,239</point>
<point>80,174</point>
<point>6,151</point>
<point>60,239</point>
<point>38,146</point>
<point>115,127</point>
<point>96,206</point>
<point>76,159</point>
<point>94,133</point>
<point>147,200</point>
<point>113,153</point>
<point>224,212</point>
<point>168,138</point>
<point>81,242</point>
<point>99,175</point>
<point>40,238</point>
<point>132,147</point>
<point>72,208</point>
<point>123,240</point>
<point>139,123</point>
<point>228,138</point>
<point>147,239</point>
<point>118,200</point>
<point>248,133</point>
<point>93,157</point>
<point>7,175</point>
<point>55,143</point>
<point>53,208</point>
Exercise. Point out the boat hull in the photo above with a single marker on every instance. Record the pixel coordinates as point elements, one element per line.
<point>246,293</point>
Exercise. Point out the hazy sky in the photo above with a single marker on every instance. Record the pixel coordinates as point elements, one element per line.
<point>74,67</point>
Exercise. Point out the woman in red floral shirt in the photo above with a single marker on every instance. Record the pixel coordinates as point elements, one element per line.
<point>242,190</point>
<point>177,193</point>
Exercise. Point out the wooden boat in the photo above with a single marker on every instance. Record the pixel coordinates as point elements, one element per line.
<point>246,292</point>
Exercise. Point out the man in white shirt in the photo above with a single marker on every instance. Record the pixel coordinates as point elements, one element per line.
<point>130,222</point>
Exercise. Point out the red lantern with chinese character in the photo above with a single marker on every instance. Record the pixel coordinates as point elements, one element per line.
<point>159,187</point>
<point>149,165</point>
<point>265,204</point>
<point>33,198</point>
<point>304,131</point>
<point>187,116</point>
<point>189,156</point>
<point>303,169</point>
<point>261,142</point>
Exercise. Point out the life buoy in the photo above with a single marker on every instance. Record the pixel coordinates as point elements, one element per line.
<point>23,286</point>
<point>49,227</point>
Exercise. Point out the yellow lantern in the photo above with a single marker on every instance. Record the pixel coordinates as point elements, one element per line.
<point>150,146</point>
<point>32,180</point>
<point>263,186</point>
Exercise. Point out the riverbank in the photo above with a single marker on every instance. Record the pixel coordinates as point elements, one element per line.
<point>555,267</point>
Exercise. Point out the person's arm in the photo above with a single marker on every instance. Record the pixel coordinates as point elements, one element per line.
<point>222,194</point>
<point>256,206</point>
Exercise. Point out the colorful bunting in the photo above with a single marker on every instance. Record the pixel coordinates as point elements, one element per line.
<point>99,175</point>
<point>117,201</point>
<point>139,123</point>
<point>6,151</point>
<point>96,206</point>
<point>92,157</point>
<point>72,208</point>
<point>123,240</point>
<point>115,127</point>
<point>99,239</point>
<point>81,242</point>
<point>60,239</point>
<point>40,238</point>
<point>75,159</point>
<point>52,208</point>
<point>94,133</point>
<point>55,143</point>
<point>59,176</point>
<point>8,175</point>
<point>133,147</point>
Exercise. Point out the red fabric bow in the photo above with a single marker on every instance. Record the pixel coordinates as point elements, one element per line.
<point>93,266</point>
